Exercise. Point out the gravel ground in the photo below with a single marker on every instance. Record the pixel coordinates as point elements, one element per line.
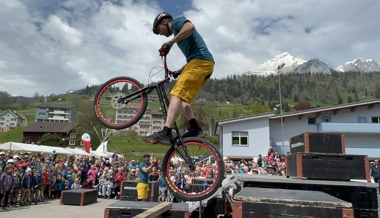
<point>54,209</point>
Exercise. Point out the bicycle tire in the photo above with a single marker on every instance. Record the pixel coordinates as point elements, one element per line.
<point>116,115</point>
<point>207,186</point>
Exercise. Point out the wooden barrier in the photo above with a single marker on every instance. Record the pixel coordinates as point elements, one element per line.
<point>155,211</point>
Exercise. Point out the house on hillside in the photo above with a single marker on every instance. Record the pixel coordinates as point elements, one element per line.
<point>55,113</point>
<point>11,119</point>
<point>249,136</point>
<point>34,131</point>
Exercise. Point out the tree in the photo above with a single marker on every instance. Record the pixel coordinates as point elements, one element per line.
<point>296,98</point>
<point>4,99</point>
<point>349,99</point>
<point>258,108</point>
<point>340,99</point>
<point>87,121</point>
<point>51,140</point>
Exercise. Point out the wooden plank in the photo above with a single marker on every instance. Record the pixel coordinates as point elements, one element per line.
<point>155,211</point>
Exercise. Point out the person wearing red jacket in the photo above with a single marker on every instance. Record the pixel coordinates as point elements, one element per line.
<point>119,177</point>
<point>44,177</point>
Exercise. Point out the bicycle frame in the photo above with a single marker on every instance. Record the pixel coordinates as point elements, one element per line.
<point>164,103</point>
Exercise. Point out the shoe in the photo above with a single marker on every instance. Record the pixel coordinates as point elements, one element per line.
<point>1,209</point>
<point>6,208</point>
<point>116,197</point>
<point>159,137</point>
<point>193,133</point>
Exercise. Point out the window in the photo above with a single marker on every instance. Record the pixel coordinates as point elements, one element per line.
<point>326,119</point>
<point>239,138</point>
<point>72,142</point>
<point>73,135</point>
<point>312,120</point>
<point>375,119</point>
<point>362,119</point>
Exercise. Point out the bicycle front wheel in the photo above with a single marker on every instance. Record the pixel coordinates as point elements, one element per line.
<point>119,104</point>
<point>198,182</point>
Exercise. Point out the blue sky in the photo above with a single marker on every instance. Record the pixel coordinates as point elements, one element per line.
<point>59,45</point>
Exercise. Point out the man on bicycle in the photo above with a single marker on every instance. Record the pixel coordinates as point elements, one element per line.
<point>194,74</point>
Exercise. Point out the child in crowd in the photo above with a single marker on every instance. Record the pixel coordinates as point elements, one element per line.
<point>109,184</point>
<point>58,184</point>
<point>76,184</point>
<point>49,181</point>
<point>37,183</point>
<point>88,184</point>
<point>101,185</point>
<point>16,187</point>
<point>26,186</point>
<point>6,185</point>
<point>161,187</point>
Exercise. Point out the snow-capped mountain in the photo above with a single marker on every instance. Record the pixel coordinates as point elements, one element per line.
<point>359,65</point>
<point>313,66</point>
<point>270,66</point>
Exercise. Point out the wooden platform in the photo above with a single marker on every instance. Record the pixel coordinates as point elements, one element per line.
<point>128,209</point>
<point>79,197</point>
<point>363,196</point>
<point>276,203</point>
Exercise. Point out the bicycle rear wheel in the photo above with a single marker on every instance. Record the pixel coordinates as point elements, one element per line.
<point>206,177</point>
<point>115,111</point>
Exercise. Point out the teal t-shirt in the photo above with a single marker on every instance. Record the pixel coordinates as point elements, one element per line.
<point>143,177</point>
<point>193,47</point>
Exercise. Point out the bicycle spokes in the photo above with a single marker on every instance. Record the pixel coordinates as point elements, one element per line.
<point>120,103</point>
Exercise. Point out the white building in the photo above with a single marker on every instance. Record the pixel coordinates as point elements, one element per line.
<point>10,119</point>
<point>55,113</point>
<point>151,122</point>
<point>249,136</point>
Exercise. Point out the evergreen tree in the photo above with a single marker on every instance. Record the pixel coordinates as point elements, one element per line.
<point>349,99</point>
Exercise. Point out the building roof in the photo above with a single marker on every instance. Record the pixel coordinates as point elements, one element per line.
<point>56,106</point>
<point>298,113</point>
<point>329,108</point>
<point>50,127</point>
<point>13,113</point>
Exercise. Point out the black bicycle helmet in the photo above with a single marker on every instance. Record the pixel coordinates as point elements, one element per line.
<point>158,19</point>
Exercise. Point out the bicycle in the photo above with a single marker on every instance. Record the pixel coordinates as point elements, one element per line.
<point>122,101</point>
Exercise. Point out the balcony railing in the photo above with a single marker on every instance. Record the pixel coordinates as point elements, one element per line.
<point>349,127</point>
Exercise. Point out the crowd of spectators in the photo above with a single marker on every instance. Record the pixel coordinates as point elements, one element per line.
<point>32,178</point>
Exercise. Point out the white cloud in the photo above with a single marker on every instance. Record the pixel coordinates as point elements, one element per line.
<point>64,45</point>
<point>61,32</point>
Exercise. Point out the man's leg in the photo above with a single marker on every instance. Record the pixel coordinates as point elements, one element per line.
<point>175,108</point>
<point>195,130</point>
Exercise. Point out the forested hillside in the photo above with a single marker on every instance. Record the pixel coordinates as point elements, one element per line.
<point>234,96</point>
<point>319,88</point>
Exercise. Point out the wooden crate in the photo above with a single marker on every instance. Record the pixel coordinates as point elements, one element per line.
<point>128,191</point>
<point>276,203</point>
<point>318,142</point>
<point>328,166</point>
<point>79,197</point>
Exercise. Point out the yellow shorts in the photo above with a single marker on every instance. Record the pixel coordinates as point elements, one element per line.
<point>142,191</point>
<point>193,77</point>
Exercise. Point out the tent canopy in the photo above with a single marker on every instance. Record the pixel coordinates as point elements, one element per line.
<point>58,150</point>
<point>16,146</point>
